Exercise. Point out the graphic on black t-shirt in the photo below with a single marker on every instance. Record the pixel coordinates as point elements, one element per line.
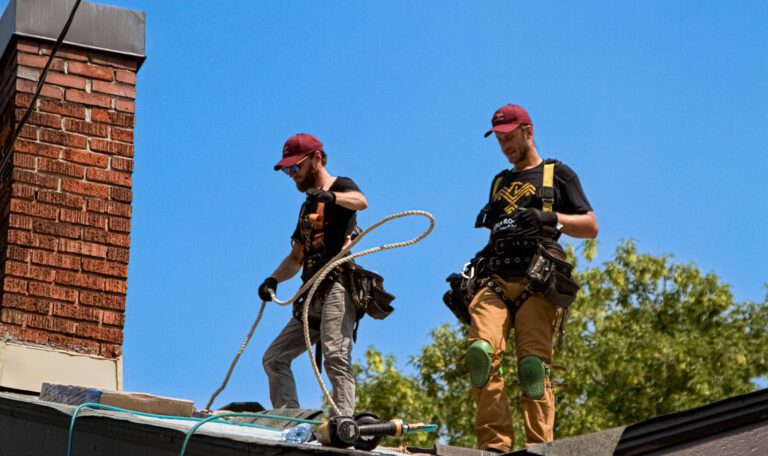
<point>512,194</point>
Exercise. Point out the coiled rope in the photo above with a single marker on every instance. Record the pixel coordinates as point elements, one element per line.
<point>313,283</point>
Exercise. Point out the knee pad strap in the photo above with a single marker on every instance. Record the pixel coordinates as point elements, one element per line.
<point>478,362</point>
<point>531,372</point>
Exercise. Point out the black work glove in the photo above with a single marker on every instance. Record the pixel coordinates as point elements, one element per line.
<point>270,284</point>
<point>536,218</point>
<point>321,195</point>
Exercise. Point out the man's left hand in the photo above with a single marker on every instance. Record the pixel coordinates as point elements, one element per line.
<point>321,195</point>
<point>536,218</point>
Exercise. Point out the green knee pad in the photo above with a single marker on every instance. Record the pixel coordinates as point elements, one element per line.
<point>531,372</point>
<point>477,361</point>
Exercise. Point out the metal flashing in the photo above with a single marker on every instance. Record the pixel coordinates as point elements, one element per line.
<point>95,26</point>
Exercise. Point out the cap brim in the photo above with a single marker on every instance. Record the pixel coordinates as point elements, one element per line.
<point>502,128</point>
<point>288,161</point>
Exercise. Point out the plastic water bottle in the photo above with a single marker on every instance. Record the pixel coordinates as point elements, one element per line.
<point>298,434</point>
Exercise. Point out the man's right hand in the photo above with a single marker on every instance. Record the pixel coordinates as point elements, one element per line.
<point>269,284</point>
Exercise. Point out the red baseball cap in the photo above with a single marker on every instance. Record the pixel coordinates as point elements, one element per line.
<point>297,147</point>
<point>508,118</point>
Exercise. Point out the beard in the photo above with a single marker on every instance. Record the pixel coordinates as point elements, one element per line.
<point>307,181</point>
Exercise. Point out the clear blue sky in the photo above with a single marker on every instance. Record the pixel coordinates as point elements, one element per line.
<point>661,108</point>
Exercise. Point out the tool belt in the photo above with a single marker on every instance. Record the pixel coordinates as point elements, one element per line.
<point>366,290</point>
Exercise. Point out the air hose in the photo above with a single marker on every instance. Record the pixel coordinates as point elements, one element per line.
<point>313,283</point>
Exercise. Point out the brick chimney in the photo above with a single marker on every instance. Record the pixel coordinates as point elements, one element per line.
<point>65,192</point>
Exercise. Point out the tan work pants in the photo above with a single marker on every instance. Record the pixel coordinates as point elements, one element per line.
<point>534,327</point>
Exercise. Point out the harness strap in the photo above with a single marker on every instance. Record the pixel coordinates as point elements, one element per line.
<point>547,187</point>
<point>513,305</point>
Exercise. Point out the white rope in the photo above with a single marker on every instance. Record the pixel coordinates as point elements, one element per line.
<point>315,281</point>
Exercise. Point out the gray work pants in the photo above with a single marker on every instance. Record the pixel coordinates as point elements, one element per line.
<point>336,327</point>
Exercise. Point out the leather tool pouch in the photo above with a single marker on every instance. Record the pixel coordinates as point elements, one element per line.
<point>366,290</point>
<point>550,275</point>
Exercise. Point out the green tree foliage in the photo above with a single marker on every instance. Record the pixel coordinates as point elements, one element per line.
<point>647,336</point>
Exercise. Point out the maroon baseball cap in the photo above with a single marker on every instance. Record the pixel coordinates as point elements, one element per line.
<point>508,118</point>
<point>297,147</point>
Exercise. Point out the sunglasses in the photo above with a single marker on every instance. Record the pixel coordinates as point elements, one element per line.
<point>295,168</point>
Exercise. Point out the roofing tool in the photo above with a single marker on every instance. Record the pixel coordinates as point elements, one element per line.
<point>364,431</point>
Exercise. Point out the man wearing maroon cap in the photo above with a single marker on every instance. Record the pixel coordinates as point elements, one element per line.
<point>523,281</point>
<point>326,221</point>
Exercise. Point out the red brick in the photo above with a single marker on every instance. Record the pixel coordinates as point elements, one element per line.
<point>85,157</point>
<point>58,260</point>
<point>41,274</point>
<point>88,347</point>
<point>31,60</point>
<point>22,191</point>
<point>116,286</point>
<point>45,290</point>
<point>62,167</point>
<point>112,88</point>
<point>62,108</point>
<point>36,179</point>
<point>33,74</point>
<point>110,351</point>
<point>20,221</point>
<point>34,209</point>
<point>118,254</point>
<point>122,194</point>
<point>16,268</point>
<point>128,77</point>
<point>39,321</point>
<point>84,218</point>
<point>76,312</point>
<point>125,106</point>
<point>20,237</point>
<point>28,46</point>
<point>99,236</point>
<point>40,118</point>
<point>91,99</point>
<point>113,60</point>
<point>29,132</point>
<point>27,303</point>
<point>61,199</point>
<point>42,241</point>
<point>113,318</point>
<point>113,118</point>
<point>83,248</point>
<point>14,285</point>
<point>90,71</point>
<point>70,53</point>
<point>120,224</point>
<point>61,325</point>
<point>120,209</point>
<point>36,148</point>
<point>86,128</point>
<point>23,99</point>
<point>100,333</point>
<point>17,253</point>
<point>12,316</point>
<point>121,134</point>
<point>28,335</point>
<point>103,300</point>
<point>63,139</point>
<point>102,145</point>
<point>120,240</point>
<point>109,177</point>
<point>106,268</point>
<point>85,188</point>
<point>23,161</point>
<point>97,205</point>
<point>50,91</point>
<point>57,229</point>
<point>122,164</point>
<point>65,80</point>
<point>80,280</point>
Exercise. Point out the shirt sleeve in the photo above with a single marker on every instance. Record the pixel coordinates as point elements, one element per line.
<point>572,198</point>
<point>344,184</point>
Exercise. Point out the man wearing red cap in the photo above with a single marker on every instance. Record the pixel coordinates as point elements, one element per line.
<point>326,221</point>
<point>524,282</point>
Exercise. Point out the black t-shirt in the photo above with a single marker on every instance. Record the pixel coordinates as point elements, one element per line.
<point>322,244</point>
<point>522,190</point>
